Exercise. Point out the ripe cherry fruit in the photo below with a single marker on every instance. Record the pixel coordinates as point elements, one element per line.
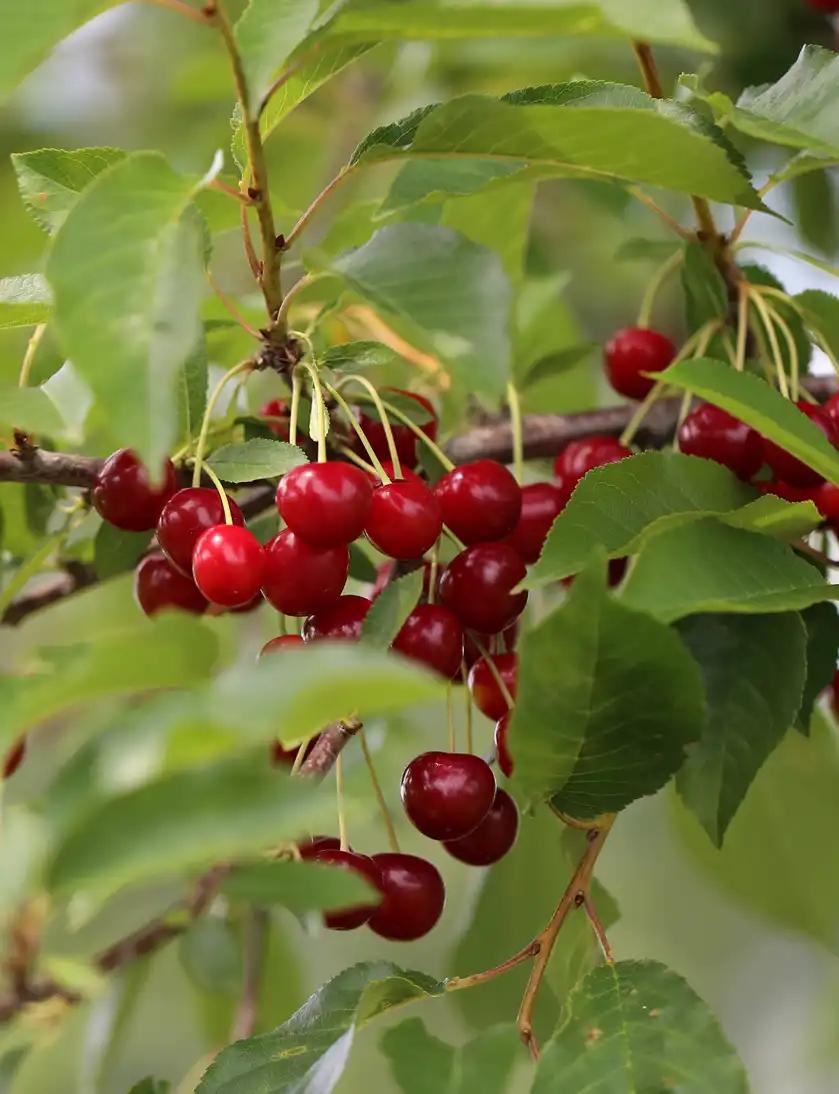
<point>541,503</point>
<point>300,579</point>
<point>228,565</point>
<point>404,519</point>
<point>479,501</point>
<point>478,587</point>
<point>433,636</point>
<point>281,642</point>
<point>404,437</point>
<point>347,919</point>
<point>785,465</point>
<point>826,498</point>
<point>713,434</point>
<point>185,516</point>
<point>308,848</point>
<point>493,837</point>
<point>158,586</point>
<point>580,457</point>
<point>447,794</point>
<point>632,352</point>
<point>124,496</point>
<point>325,503</point>
<point>342,619</point>
<point>277,409</point>
<point>413,896</point>
<point>502,748</point>
<point>827,7</point>
<point>486,694</point>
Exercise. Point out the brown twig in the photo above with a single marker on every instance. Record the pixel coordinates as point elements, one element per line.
<point>304,219</point>
<point>329,746</point>
<point>76,576</point>
<point>57,468</point>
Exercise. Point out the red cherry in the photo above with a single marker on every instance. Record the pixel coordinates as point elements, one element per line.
<point>281,642</point>
<point>480,501</point>
<point>483,686</point>
<point>541,503</point>
<point>308,848</point>
<point>502,750</point>
<point>185,516</point>
<point>159,586</point>
<point>580,457</point>
<point>301,579</point>
<point>432,635</point>
<point>325,503</point>
<point>404,519</point>
<point>124,496</point>
<point>827,7</point>
<point>477,585</point>
<point>633,351</point>
<point>285,757</point>
<point>228,564</point>
<point>277,408</point>
<point>713,434</point>
<point>342,619</point>
<point>785,490</point>
<point>412,900</point>
<point>407,474</point>
<point>471,652</point>
<point>447,794</point>
<point>14,758</point>
<point>834,694</point>
<point>826,498</point>
<point>403,436</point>
<point>347,919</point>
<point>493,837</point>
<point>785,465</point>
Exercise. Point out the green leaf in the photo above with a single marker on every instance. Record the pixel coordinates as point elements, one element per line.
<point>754,671</point>
<point>299,886</point>
<point>210,955</point>
<point>822,624</point>
<point>821,314</point>
<point>357,356</point>
<point>800,109</point>
<point>707,566</point>
<point>259,458</point>
<point>583,129</point>
<point>115,551</point>
<point>762,407</point>
<point>637,1026</point>
<point>759,275</point>
<point>266,34</point>
<point>309,1051</point>
<point>555,364</point>
<point>151,1086</point>
<point>362,566</point>
<point>452,293</point>
<point>607,701</point>
<point>706,296</point>
<point>391,608</point>
<point>477,217</point>
<point>192,392</point>
<point>183,822</point>
<point>614,505</point>
<point>30,409</point>
<point>423,1064</point>
<point>50,180</point>
<point>128,259</point>
<point>775,517</point>
<point>25,301</point>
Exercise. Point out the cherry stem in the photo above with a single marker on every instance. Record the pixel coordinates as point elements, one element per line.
<point>299,756</point>
<point>380,407</point>
<point>297,287</point>
<point>433,566</point>
<point>457,983</point>
<point>29,355</point>
<point>362,436</point>
<point>222,493</point>
<point>255,944</point>
<point>762,310</point>
<point>792,349</point>
<point>294,410</point>
<point>493,668</point>
<point>419,434</point>
<point>243,366</point>
<point>317,393</point>
<point>377,790</point>
<point>654,287</point>
<point>742,325</point>
<point>339,798</point>
<point>572,822</point>
<point>598,928</point>
<point>354,457</point>
<point>464,673</point>
<point>231,307</point>
<point>514,404</point>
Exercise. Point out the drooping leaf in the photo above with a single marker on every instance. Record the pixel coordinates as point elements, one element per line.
<point>391,608</point>
<point>299,886</point>
<point>707,566</point>
<point>635,1026</point>
<point>754,671</point>
<point>115,550</point>
<point>452,293</point>
<point>210,955</point>
<point>309,1051</point>
<point>423,1064</point>
<point>50,180</point>
<point>259,458</point>
<point>30,409</point>
<point>25,300</point>
<point>822,624</point>
<point>607,701</point>
<point>266,34</point>
<point>821,313</point>
<point>614,505</point>
<point>773,516</point>
<point>477,216</point>
<point>705,292</point>
<point>127,271</point>
<point>192,391</point>
<point>751,399</point>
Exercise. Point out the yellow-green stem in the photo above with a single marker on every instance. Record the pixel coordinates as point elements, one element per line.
<point>243,366</point>
<point>377,790</point>
<point>514,404</point>
<point>493,668</point>
<point>294,410</point>
<point>654,287</point>
<point>339,801</point>
<point>317,393</point>
<point>450,718</point>
<point>777,359</point>
<point>380,407</point>
<point>222,493</point>
<point>362,436</point>
<point>29,356</point>
<point>464,673</point>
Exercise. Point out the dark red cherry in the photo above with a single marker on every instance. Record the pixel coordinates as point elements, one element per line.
<point>277,409</point>
<point>281,642</point>
<point>404,519</point>
<point>479,501</point>
<point>827,7</point>
<point>508,639</point>
<point>308,848</point>
<point>301,579</point>
<point>632,352</point>
<point>447,794</point>
<point>185,516</point>
<point>785,465</point>
<point>834,694</point>
<point>347,919</point>
<point>580,457</point>
<point>413,896</point>
<point>404,437</point>
<point>713,434</point>
<point>13,758</point>
<point>826,498</point>
<point>483,686</point>
<point>432,635</point>
<point>228,564</point>
<point>785,490</point>
<point>286,757</point>
<point>502,750</point>
<point>325,503</point>
<point>493,837</point>
<point>342,619</point>
<point>158,586</point>
<point>478,587</point>
<point>124,496</point>
<point>541,503</point>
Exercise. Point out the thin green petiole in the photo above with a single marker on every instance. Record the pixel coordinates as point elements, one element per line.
<point>377,790</point>
<point>222,493</point>
<point>317,392</point>
<point>243,366</point>
<point>514,404</point>
<point>654,287</point>
<point>362,436</point>
<point>339,797</point>
<point>380,407</point>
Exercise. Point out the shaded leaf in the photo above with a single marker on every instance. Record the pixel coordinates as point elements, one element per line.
<point>259,458</point>
<point>115,550</point>
<point>391,608</point>
<point>423,1064</point>
<point>706,296</point>
<point>30,409</point>
<point>266,34</point>
<point>299,886</point>
<point>822,624</point>
<point>210,955</point>
<point>50,180</point>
